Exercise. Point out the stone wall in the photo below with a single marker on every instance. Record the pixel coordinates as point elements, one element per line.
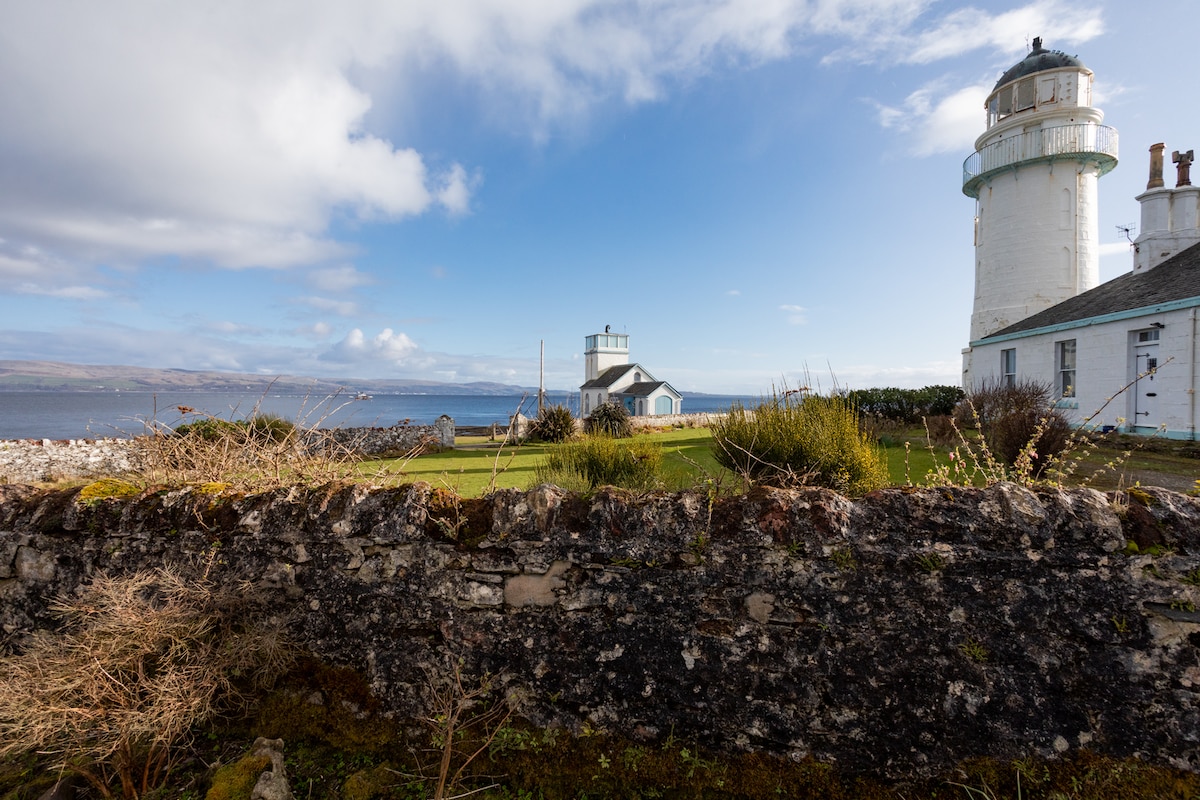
<point>894,635</point>
<point>37,460</point>
<point>702,420</point>
<point>396,440</point>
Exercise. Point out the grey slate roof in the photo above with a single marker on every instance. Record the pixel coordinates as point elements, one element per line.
<point>608,377</point>
<point>643,389</point>
<point>1177,278</point>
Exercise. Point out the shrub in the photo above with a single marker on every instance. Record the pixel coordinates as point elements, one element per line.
<point>792,440</point>
<point>260,428</point>
<point>262,451</point>
<point>610,418</point>
<point>1019,423</point>
<point>140,660</point>
<point>597,460</point>
<point>554,424</point>
<point>907,406</point>
<point>941,431</point>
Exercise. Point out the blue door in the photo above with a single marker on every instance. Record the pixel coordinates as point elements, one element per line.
<point>663,405</point>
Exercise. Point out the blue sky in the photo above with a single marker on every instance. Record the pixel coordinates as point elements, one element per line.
<point>753,191</point>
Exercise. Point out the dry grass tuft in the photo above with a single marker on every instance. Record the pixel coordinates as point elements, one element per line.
<point>139,661</point>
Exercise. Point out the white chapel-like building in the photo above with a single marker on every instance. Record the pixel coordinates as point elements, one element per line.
<point>608,375</point>
<point>1040,312</point>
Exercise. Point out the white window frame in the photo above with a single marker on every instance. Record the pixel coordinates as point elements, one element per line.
<point>1066,363</point>
<point>1008,367</point>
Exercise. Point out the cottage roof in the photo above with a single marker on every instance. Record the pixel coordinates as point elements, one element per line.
<point>1176,279</point>
<point>647,388</point>
<point>609,376</point>
<point>642,389</point>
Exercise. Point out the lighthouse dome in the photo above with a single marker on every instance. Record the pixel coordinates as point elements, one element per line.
<point>1039,60</point>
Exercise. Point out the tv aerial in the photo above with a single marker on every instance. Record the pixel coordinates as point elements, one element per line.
<point>1127,231</point>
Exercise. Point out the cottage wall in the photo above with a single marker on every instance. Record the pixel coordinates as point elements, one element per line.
<point>1105,363</point>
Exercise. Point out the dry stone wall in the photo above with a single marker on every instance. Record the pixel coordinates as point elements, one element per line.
<point>37,460</point>
<point>894,635</point>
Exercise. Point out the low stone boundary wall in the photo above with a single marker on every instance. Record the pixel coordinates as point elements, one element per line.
<point>702,420</point>
<point>396,440</point>
<point>896,635</point>
<point>38,460</point>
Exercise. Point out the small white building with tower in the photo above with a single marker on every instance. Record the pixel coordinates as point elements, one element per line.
<point>608,375</point>
<point>1040,312</point>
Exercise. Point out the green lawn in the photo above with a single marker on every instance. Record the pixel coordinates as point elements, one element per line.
<point>477,466</point>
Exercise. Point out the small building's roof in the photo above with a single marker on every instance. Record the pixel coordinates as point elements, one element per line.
<point>642,389</point>
<point>647,388</point>
<point>1039,60</point>
<point>1174,280</point>
<point>608,377</point>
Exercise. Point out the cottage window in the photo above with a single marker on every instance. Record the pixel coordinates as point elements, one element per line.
<point>1065,362</point>
<point>1008,367</point>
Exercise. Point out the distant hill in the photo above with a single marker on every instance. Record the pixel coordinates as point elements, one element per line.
<point>55,376</point>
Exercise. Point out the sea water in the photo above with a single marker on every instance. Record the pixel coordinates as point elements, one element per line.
<point>94,415</point>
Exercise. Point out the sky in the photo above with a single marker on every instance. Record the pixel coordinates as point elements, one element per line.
<point>760,193</point>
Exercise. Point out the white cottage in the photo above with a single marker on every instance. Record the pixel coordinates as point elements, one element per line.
<point>1039,312</point>
<point>609,375</point>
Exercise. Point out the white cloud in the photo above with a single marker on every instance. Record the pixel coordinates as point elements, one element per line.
<point>944,115</point>
<point>733,293</point>
<point>797,315</point>
<point>339,279</point>
<point>1060,23</point>
<point>318,330</point>
<point>63,292</point>
<point>937,122</point>
<point>230,328</point>
<point>387,345</point>
<point>343,308</point>
<point>233,133</point>
<point>227,133</point>
<point>1121,248</point>
<point>455,191</point>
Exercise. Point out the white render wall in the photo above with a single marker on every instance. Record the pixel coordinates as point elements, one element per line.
<point>1036,212</point>
<point>1105,364</point>
<point>1170,225</point>
<point>1036,242</point>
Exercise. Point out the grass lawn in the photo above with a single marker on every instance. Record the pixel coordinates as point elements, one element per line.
<point>476,466</point>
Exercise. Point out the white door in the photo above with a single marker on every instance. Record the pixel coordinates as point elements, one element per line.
<point>1145,387</point>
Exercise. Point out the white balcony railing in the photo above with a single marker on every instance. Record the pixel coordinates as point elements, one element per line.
<point>1079,142</point>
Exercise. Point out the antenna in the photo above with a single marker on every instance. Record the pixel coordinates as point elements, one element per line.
<point>1127,231</point>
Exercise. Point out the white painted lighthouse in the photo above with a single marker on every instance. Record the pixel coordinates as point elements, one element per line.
<point>604,350</point>
<point>1034,179</point>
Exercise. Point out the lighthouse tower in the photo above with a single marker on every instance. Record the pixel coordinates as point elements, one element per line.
<point>1034,178</point>
<point>604,350</point>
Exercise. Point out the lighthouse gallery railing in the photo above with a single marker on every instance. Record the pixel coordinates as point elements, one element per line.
<point>1081,141</point>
